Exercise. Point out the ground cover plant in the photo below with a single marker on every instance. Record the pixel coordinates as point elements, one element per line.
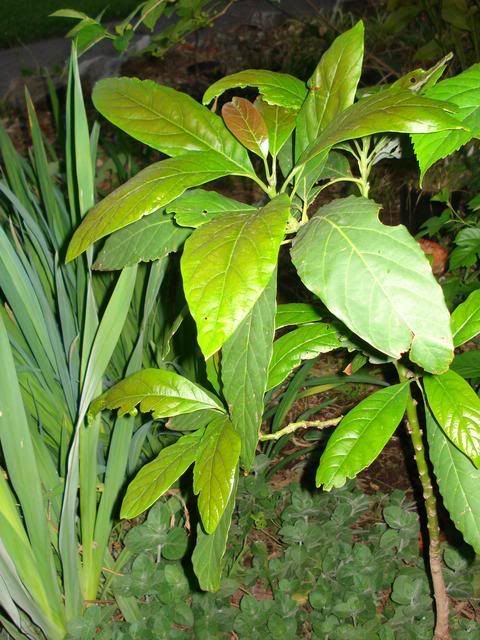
<point>377,296</point>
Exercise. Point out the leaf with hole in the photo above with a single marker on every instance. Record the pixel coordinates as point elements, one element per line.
<point>376,280</point>
<point>361,435</point>
<point>150,238</point>
<point>198,206</point>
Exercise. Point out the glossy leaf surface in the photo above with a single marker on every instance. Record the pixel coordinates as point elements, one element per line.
<point>214,471</point>
<point>296,313</point>
<point>458,481</point>
<point>166,119</point>
<point>361,435</point>
<point>247,125</point>
<point>198,206</point>
<point>332,86</point>
<point>464,91</point>
<point>149,190</point>
<point>162,392</point>
<point>226,265</point>
<point>280,124</point>
<point>150,238</point>
<point>304,343</point>
<point>376,280</point>
<point>456,408</point>
<point>275,88</point>
<point>157,476</point>
<point>466,319</point>
<point>389,110</point>
<point>210,548</point>
<point>245,360</point>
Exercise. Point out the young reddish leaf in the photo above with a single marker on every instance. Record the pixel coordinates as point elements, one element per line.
<point>247,125</point>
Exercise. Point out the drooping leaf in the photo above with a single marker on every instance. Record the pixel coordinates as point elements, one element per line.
<point>465,319</point>
<point>304,343</point>
<point>166,119</point>
<point>458,481</point>
<point>157,476</point>
<point>197,206</point>
<point>275,88</point>
<point>245,360</point>
<point>162,392</point>
<point>214,471</point>
<point>462,90</point>
<point>150,238</point>
<point>332,86</point>
<point>226,264</point>
<point>389,110</point>
<point>247,125</point>
<point>467,364</point>
<point>210,548</point>
<point>151,189</point>
<point>376,280</point>
<point>280,124</point>
<point>361,436</point>
<point>456,408</point>
<point>296,313</point>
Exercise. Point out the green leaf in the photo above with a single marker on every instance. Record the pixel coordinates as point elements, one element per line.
<point>157,476</point>
<point>458,481</point>
<point>467,251</point>
<point>247,125</point>
<point>280,124</point>
<point>456,408</point>
<point>151,189</point>
<point>162,392</point>
<point>456,13</point>
<point>214,471</point>
<point>150,238</point>
<point>304,343</point>
<point>361,435</point>
<point>389,110</point>
<point>376,280</point>
<point>210,548</point>
<point>467,364</point>
<point>332,87</point>
<point>462,90</point>
<point>465,321</point>
<point>166,119</point>
<point>226,264</point>
<point>296,313</point>
<point>197,206</point>
<point>245,360</point>
<point>275,88</point>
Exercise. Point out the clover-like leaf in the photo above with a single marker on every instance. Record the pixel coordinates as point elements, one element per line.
<point>456,408</point>
<point>361,436</point>
<point>376,280</point>
<point>214,471</point>
<point>226,264</point>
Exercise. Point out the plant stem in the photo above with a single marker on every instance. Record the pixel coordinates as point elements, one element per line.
<point>303,424</point>
<point>434,552</point>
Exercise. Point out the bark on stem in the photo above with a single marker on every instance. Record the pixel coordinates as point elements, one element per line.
<point>440,595</point>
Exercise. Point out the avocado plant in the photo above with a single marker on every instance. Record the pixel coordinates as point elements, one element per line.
<point>378,294</point>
